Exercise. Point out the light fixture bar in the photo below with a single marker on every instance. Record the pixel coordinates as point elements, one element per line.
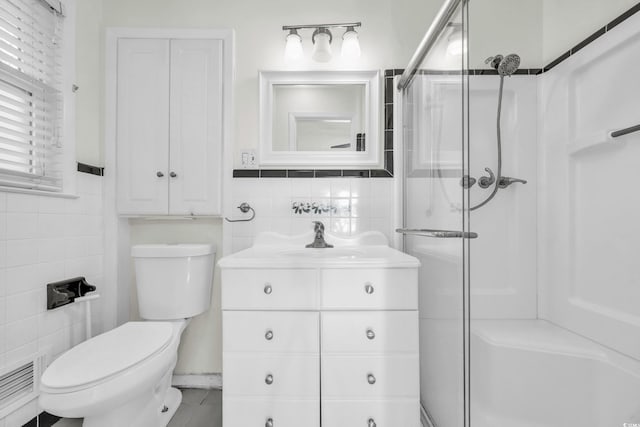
<point>299,27</point>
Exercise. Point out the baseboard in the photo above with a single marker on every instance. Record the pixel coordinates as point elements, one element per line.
<point>205,381</point>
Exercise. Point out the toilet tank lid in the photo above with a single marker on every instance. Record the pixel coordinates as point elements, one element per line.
<point>172,250</point>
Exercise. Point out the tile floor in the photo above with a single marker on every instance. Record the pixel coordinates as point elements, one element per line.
<point>199,408</point>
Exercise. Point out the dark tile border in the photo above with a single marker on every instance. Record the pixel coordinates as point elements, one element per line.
<point>600,32</point>
<point>93,170</point>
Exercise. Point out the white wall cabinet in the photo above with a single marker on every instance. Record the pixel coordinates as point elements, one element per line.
<point>320,347</point>
<point>169,126</point>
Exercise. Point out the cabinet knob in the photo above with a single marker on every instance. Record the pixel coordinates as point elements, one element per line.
<point>371,379</point>
<point>371,423</point>
<point>269,422</point>
<point>368,288</point>
<point>269,379</point>
<point>370,334</point>
<point>267,288</point>
<point>159,174</point>
<point>269,335</point>
<point>172,174</point>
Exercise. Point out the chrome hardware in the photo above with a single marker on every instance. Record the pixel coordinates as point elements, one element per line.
<point>440,234</point>
<point>506,181</point>
<point>159,174</point>
<point>370,334</point>
<point>172,174</point>
<point>269,422</point>
<point>368,288</point>
<point>269,379</point>
<point>625,131</point>
<point>371,423</point>
<point>467,182</point>
<point>318,241</point>
<point>269,335</point>
<point>371,379</point>
<point>164,409</point>
<point>487,181</point>
<point>268,289</point>
<point>244,208</point>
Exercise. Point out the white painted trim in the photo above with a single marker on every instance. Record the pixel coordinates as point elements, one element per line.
<point>371,157</point>
<point>69,98</point>
<point>203,381</point>
<point>38,192</point>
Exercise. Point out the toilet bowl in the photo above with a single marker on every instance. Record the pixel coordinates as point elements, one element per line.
<point>123,377</point>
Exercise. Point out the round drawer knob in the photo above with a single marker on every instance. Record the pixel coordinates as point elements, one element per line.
<point>269,423</point>
<point>370,334</point>
<point>269,379</point>
<point>268,289</point>
<point>159,174</point>
<point>172,174</point>
<point>371,423</point>
<point>371,379</point>
<point>368,288</point>
<point>269,335</point>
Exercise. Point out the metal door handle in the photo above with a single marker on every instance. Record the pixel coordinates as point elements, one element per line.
<point>269,379</point>
<point>267,288</point>
<point>371,379</point>
<point>439,234</point>
<point>368,288</point>
<point>269,422</point>
<point>370,334</point>
<point>269,335</point>
<point>172,174</point>
<point>159,174</point>
<point>371,423</point>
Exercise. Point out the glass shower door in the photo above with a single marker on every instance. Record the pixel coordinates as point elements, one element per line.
<point>436,221</point>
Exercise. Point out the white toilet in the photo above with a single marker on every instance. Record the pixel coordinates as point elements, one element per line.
<point>123,377</point>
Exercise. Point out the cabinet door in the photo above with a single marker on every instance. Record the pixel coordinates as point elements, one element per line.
<point>195,127</point>
<point>142,126</point>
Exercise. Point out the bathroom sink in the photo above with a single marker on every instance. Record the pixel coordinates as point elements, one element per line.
<point>342,253</point>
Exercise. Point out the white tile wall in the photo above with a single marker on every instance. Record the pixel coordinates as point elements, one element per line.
<point>45,239</point>
<point>362,205</point>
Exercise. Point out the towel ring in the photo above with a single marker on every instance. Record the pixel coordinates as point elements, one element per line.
<point>244,208</point>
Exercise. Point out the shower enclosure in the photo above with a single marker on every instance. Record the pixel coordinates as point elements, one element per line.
<point>512,182</point>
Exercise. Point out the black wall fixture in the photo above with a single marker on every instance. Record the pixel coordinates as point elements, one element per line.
<point>66,291</point>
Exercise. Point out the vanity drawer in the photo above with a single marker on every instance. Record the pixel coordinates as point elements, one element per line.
<point>283,413</point>
<point>370,377</point>
<point>270,331</point>
<point>271,375</point>
<point>269,289</point>
<point>370,288</point>
<point>385,413</point>
<point>370,332</point>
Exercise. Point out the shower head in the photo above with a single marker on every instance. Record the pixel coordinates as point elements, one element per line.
<point>508,65</point>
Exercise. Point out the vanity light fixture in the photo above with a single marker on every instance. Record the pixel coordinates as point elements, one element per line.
<point>322,39</point>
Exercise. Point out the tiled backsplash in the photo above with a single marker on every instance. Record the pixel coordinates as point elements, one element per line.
<point>45,239</point>
<point>347,206</point>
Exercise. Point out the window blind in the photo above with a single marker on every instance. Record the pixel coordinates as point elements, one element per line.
<point>30,97</point>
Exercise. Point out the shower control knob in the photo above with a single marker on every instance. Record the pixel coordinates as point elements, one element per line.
<point>159,174</point>
<point>371,423</point>
<point>487,181</point>
<point>267,288</point>
<point>368,288</point>
<point>269,379</point>
<point>269,422</point>
<point>269,335</point>
<point>371,379</point>
<point>370,334</point>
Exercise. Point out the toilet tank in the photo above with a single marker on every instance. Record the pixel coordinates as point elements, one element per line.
<point>173,281</point>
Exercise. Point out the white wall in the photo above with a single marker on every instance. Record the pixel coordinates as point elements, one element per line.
<point>45,239</point>
<point>588,206</point>
<point>567,22</point>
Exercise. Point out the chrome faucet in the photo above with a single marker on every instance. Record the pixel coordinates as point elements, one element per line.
<point>318,241</point>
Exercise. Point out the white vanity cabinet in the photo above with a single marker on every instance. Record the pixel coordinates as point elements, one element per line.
<point>320,346</point>
<point>169,126</point>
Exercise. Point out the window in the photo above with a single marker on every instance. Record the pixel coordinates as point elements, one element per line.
<point>30,95</point>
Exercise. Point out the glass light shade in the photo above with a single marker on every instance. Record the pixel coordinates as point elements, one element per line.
<point>456,46</point>
<point>350,45</point>
<point>322,47</point>
<point>293,47</point>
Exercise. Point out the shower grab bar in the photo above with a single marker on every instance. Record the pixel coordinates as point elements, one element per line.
<point>625,131</point>
<point>439,23</point>
<point>439,234</point>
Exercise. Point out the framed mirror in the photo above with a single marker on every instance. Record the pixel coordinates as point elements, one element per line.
<point>319,118</point>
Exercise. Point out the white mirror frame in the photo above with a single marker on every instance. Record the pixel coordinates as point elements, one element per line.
<point>323,159</point>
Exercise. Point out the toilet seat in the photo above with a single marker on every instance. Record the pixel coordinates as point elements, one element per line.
<point>106,355</point>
